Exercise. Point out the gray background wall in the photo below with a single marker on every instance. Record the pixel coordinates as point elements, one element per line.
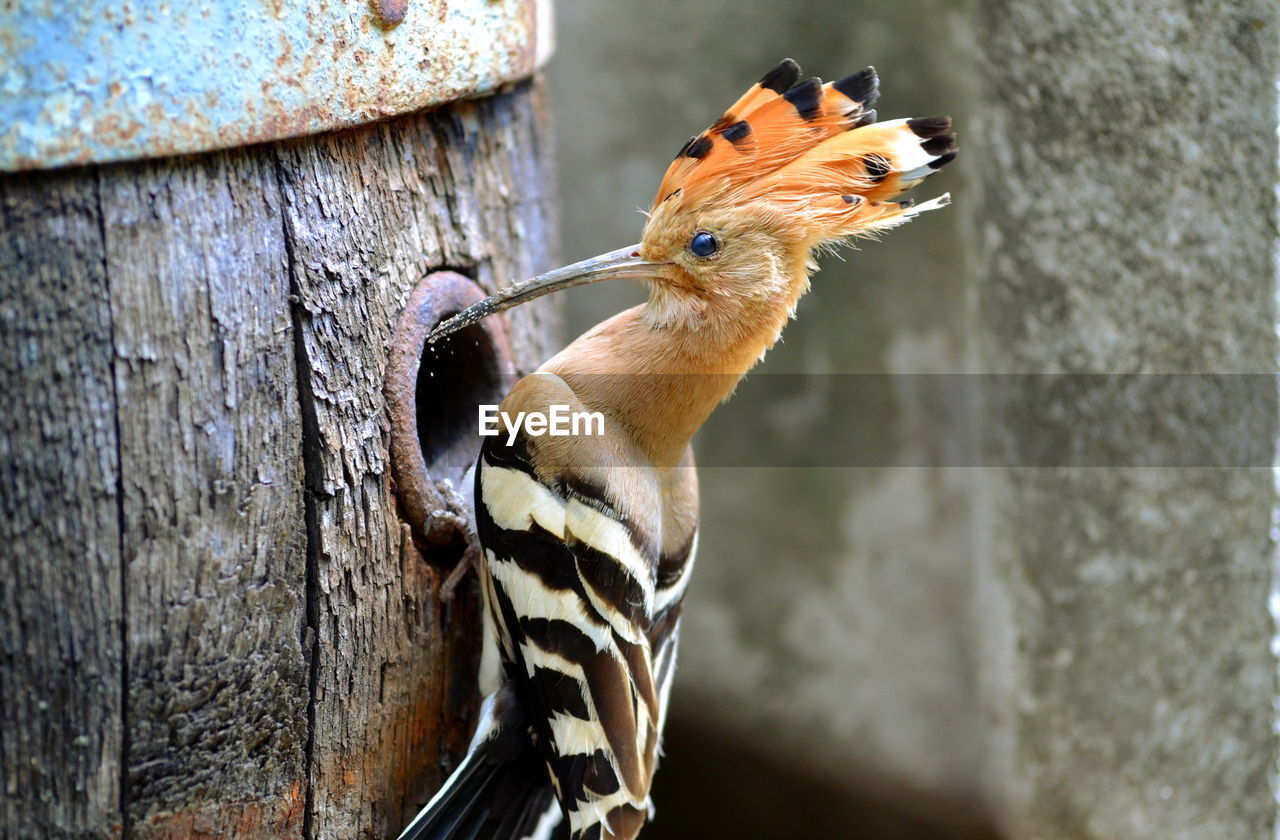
<point>905,643</point>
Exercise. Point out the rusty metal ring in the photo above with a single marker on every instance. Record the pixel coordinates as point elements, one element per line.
<point>486,348</point>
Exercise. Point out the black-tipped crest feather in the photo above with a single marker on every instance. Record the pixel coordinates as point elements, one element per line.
<point>868,117</point>
<point>737,132</point>
<point>943,159</point>
<point>806,97</point>
<point>929,126</point>
<point>863,86</point>
<point>699,147</point>
<point>781,77</point>
<point>938,144</point>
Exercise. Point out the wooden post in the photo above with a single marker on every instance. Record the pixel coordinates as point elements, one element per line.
<point>214,621</point>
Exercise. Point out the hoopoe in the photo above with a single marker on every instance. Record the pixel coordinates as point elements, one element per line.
<point>588,541</point>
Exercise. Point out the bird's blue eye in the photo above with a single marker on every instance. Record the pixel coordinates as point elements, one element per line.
<point>703,244</point>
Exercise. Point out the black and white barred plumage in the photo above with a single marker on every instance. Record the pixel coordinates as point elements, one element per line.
<point>585,609</point>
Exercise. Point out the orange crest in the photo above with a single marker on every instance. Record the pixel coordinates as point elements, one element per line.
<point>814,152</point>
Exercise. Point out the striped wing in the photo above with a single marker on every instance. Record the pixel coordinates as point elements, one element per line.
<point>587,614</point>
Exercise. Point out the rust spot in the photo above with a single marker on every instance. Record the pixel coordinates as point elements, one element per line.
<point>273,816</point>
<point>286,51</point>
<point>250,820</point>
<point>388,14</point>
<point>114,128</point>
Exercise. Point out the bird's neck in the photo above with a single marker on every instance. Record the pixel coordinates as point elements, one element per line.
<point>661,368</point>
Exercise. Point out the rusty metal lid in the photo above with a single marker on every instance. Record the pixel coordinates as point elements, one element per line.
<point>108,80</point>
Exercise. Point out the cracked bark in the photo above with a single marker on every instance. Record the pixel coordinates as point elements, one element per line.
<point>216,623</point>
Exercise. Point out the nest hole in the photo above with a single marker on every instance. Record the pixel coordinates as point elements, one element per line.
<point>456,375</point>
<point>433,394</point>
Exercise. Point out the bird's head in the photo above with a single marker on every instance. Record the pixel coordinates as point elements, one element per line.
<point>791,167</point>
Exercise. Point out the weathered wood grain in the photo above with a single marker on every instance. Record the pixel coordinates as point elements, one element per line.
<point>369,212</point>
<point>215,622</point>
<point>215,541</point>
<point>60,578</point>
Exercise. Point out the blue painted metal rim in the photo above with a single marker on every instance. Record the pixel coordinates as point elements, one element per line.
<point>106,80</point>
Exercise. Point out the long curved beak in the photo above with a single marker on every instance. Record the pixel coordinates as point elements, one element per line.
<point>624,262</point>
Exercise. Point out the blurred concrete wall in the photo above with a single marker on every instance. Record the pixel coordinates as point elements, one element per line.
<point>1125,155</point>
<point>907,616</point>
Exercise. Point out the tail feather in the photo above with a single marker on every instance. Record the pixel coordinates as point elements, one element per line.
<point>501,791</point>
